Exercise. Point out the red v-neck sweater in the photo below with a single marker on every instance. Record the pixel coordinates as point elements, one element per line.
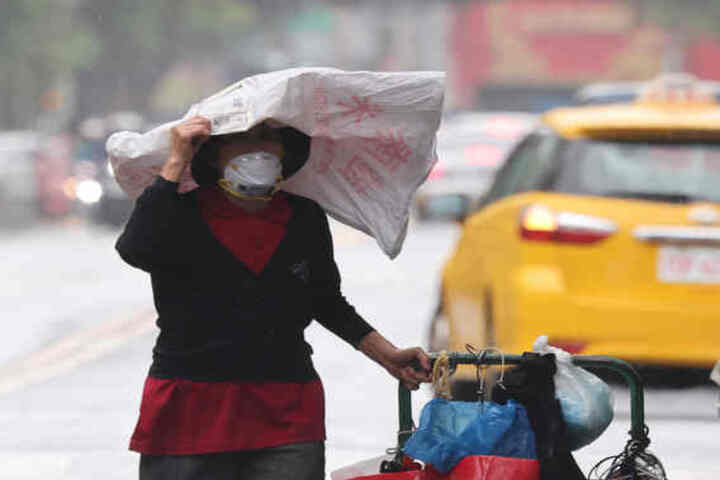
<point>252,238</point>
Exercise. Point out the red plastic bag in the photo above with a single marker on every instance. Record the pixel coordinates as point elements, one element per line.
<point>473,467</point>
<point>488,467</point>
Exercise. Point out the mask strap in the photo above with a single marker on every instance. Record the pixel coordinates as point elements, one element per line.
<point>227,186</point>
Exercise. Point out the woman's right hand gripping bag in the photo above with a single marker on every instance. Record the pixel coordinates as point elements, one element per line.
<point>586,401</point>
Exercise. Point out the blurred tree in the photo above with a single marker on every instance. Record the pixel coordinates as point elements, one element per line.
<point>93,57</point>
<point>111,53</point>
<point>684,22</point>
<point>142,40</point>
<point>689,16</point>
<point>41,43</point>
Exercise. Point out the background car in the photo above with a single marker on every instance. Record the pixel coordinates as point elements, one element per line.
<point>97,195</point>
<point>18,181</point>
<point>602,230</point>
<point>471,147</point>
<point>605,93</point>
<point>33,170</point>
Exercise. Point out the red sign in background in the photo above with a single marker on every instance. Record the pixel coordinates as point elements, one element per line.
<point>563,42</point>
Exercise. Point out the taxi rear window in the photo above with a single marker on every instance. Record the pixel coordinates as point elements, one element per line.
<point>668,172</point>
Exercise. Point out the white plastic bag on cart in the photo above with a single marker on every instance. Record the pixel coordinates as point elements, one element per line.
<point>362,468</point>
<point>715,377</point>
<point>373,140</point>
<point>586,400</point>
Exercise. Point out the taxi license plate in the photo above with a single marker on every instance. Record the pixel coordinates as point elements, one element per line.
<point>688,265</point>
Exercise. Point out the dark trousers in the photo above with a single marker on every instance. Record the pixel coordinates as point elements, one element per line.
<point>297,461</point>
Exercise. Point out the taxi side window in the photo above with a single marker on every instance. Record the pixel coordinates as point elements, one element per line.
<point>513,170</point>
<point>541,166</point>
<point>529,167</point>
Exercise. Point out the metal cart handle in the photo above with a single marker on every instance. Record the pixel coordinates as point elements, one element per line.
<point>638,429</point>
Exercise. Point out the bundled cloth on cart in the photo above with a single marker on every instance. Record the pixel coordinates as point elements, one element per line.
<point>531,384</point>
<point>373,140</point>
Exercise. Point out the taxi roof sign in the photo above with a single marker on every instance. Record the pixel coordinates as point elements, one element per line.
<point>676,89</point>
<point>636,121</point>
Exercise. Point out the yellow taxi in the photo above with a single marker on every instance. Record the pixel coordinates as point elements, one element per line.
<point>601,231</point>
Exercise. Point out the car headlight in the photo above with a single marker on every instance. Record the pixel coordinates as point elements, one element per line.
<point>88,191</point>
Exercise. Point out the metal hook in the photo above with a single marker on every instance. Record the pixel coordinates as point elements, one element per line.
<point>481,368</point>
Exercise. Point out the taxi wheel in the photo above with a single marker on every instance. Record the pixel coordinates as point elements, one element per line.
<point>439,332</point>
<point>488,321</point>
<point>468,390</point>
<point>462,389</point>
<point>438,341</point>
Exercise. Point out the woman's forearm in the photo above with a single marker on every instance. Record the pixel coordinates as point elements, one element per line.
<point>173,169</point>
<point>377,348</point>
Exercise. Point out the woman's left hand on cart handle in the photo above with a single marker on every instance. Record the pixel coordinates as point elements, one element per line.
<point>409,365</point>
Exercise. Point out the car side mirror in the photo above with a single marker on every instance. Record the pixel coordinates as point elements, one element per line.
<point>484,200</point>
<point>446,207</point>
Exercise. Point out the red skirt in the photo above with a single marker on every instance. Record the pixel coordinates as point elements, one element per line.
<point>184,417</point>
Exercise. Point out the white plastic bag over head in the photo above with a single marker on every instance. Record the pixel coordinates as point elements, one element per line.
<point>586,401</point>
<point>373,140</point>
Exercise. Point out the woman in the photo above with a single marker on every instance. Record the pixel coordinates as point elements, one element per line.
<point>238,272</point>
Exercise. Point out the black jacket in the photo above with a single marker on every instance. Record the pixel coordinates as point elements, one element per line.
<point>220,321</point>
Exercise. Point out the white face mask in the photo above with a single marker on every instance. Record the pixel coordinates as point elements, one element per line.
<point>252,175</point>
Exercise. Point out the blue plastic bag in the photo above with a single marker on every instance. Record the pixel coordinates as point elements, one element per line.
<point>451,430</point>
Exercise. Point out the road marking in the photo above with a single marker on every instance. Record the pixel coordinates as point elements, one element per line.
<point>67,353</point>
<point>16,465</point>
<point>76,349</point>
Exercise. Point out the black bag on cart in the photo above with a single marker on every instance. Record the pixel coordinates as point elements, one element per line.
<point>531,384</point>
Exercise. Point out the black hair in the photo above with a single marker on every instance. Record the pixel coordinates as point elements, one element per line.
<point>201,168</point>
<point>297,150</point>
<point>296,146</point>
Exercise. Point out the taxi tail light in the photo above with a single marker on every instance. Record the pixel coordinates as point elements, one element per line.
<point>542,224</point>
